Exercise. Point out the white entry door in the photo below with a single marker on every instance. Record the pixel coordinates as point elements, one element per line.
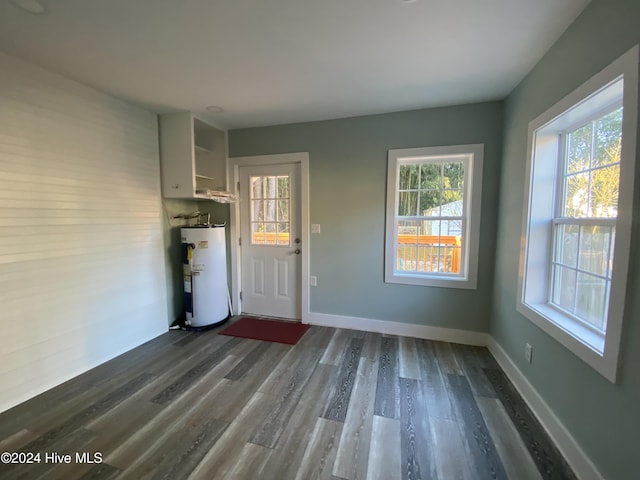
<point>270,240</point>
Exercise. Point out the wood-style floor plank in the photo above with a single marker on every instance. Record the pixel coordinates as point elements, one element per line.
<point>475,434</point>
<point>387,394</point>
<point>415,433</point>
<point>268,431</point>
<point>438,401</point>
<point>163,424</point>
<point>353,450</point>
<point>94,410</point>
<point>447,361</point>
<point>334,350</point>
<point>251,459</point>
<point>515,457</point>
<point>340,405</point>
<point>102,471</point>
<point>288,454</point>
<point>409,365</point>
<point>343,385</point>
<point>193,374</point>
<point>371,347</point>
<point>472,365</point>
<point>221,458</point>
<point>550,463</point>
<point>449,451</point>
<point>318,458</point>
<point>384,449</point>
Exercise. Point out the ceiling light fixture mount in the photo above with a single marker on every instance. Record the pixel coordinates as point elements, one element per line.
<point>214,109</point>
<point>34,7</point>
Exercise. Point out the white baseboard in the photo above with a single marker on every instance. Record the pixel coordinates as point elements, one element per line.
<point>573,453</point>
<point>396,328</point>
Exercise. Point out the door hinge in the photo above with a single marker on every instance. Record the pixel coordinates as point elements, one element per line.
<point>240,241</point>
<point>240,295</point>
<point>238,186</point>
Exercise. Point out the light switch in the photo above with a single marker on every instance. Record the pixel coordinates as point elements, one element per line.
<point>315,228</point>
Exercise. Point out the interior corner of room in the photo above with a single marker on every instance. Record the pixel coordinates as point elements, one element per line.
<point>95,188</point>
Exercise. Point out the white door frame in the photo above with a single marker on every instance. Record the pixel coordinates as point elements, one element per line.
<point>233,178</point>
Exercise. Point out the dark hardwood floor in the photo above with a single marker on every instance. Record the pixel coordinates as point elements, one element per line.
<point>340,404</point>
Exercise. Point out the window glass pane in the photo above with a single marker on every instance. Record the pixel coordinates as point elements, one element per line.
<point>604,192</point>
<point>256,187</point>
<point>450,197</point>
<point>408,177</point>
<point>453,175</point>
<point>270,183</point>
<point>567,245</point>
<point>408,204</point>
<point>270,233</point>
<point>257,211</point>
<point>283,210</point>
<point>283,234</point>
<point>431,176</point>
<point>407,236</point>
<point>257,234</point>
<point>564,287</point>
<point>608,139</point>
<point>591,299</point>
<point>429,190</point>
<point>594,249</point>
<point>430,201</point>
<point>422,248</point>
<point>430,227</point>
<point>283,187</point>
<point>270,210</point>
<point>452,227</point>
<point>579,149</point>
<point>577,195</point>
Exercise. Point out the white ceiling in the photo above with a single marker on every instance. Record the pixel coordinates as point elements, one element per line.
<point>280,61</point>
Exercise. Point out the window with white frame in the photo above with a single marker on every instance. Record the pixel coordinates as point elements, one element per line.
<point>577,225</point>
<point>433,214</point>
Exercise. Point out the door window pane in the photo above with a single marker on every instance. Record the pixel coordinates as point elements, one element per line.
<point>269,198</point>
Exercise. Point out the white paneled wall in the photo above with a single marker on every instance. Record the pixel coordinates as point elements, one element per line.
<point>82,268</point>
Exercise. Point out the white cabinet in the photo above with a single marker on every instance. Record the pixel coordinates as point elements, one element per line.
<point>192,157</point>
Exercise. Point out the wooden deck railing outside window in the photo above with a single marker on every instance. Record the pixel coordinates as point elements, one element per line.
<point>429,253</point>
<point>270,238</point>
<point>416,253</point>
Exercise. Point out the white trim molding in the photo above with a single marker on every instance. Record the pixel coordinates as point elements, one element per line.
<point>233,164</point>
<point>441,334</point>
<point>616,83</point>
<point>471,157</point>
<point>582,466</point>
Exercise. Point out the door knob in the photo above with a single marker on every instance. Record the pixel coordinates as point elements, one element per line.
<point>297,240</point>
<point>297,251</point>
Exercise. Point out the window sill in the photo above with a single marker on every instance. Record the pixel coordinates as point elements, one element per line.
<point>443,281</point>
<point>571,327</point>
<point>586,344</point>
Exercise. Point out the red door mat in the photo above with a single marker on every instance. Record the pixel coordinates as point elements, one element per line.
<point>267,330</point>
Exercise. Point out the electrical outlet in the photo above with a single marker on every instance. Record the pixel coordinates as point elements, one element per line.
<point>313,280</point>
<point>528,352</point>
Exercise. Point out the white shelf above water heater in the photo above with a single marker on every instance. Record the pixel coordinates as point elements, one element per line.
<point>193,157</point>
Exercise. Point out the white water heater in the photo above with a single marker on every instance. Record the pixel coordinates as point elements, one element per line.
<point>204,253</point>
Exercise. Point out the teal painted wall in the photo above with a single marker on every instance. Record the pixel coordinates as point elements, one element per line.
<point>348,169</point>
<point>604,418</point>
